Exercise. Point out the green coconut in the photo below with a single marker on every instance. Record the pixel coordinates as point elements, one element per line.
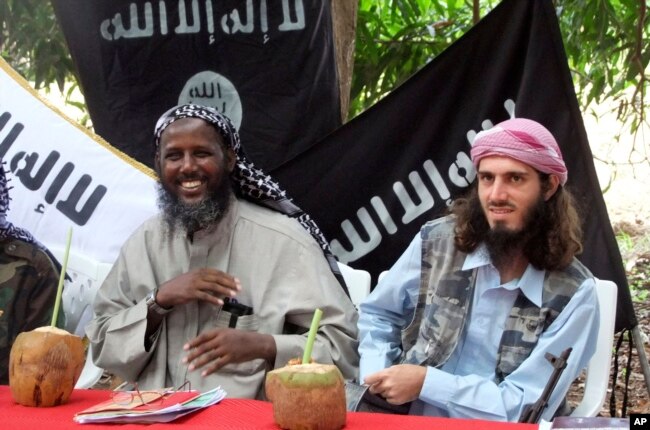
<point>307,397</point>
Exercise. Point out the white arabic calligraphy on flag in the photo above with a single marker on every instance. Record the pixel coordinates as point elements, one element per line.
<point>63,175</point>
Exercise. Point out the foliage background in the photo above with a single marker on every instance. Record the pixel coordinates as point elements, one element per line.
<point>606,42</point>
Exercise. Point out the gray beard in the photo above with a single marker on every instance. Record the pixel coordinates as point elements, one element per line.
<point>194,217</point>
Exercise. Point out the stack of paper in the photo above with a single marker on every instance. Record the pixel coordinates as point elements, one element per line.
<point>171,405</point>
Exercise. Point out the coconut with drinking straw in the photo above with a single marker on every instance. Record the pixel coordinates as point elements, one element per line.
<point>45,363</point>
<point>307,396</point>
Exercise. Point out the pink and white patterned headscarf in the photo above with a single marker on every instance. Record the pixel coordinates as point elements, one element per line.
<point>523,140</point>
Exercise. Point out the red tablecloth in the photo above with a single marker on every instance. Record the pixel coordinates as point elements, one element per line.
<point>235,414</point>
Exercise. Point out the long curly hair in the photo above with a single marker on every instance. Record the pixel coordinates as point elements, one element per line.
<point>556,237</point>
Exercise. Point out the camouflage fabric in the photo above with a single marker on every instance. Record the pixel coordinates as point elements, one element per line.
<point>445,295</point>
<point>440,313</point>
<point>527,322</point>
<point>28,282</point>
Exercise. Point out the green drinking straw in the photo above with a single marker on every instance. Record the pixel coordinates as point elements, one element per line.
<point>64,267</point>
<point>306,357</point>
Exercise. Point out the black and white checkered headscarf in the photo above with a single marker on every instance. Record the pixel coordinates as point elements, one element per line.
<point>252,183</point>
<point>7,229</point>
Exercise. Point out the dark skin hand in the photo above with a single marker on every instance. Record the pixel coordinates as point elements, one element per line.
<point>213,349</point>
<point>208,285</point>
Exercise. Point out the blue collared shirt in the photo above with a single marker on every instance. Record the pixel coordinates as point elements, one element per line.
<point>465,386</point>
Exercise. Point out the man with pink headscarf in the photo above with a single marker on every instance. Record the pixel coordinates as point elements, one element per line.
<point>460,325</point>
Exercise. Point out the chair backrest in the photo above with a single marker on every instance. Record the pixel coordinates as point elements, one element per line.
<point>381,275</point>
<point>77,298</point>
<point>597,377</point>
<point>78,294</point>
<point>358,282</point>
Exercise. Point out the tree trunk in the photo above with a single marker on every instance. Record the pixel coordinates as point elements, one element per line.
<point>344,19</point>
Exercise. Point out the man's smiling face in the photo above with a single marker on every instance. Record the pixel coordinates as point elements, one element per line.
<point>192,161</point>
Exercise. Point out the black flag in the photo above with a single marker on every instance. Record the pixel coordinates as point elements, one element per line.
<point>372,183</point>
<point>268,64</point>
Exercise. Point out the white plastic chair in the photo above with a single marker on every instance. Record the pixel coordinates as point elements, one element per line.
<point>358,282</point>
<point>597,377</point>
<point>77,303</point>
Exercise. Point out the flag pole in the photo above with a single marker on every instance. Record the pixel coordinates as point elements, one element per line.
<point>638,344</point>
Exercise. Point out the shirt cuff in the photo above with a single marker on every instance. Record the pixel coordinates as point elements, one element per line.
<point>369,364</point>
<point>438,387</point>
